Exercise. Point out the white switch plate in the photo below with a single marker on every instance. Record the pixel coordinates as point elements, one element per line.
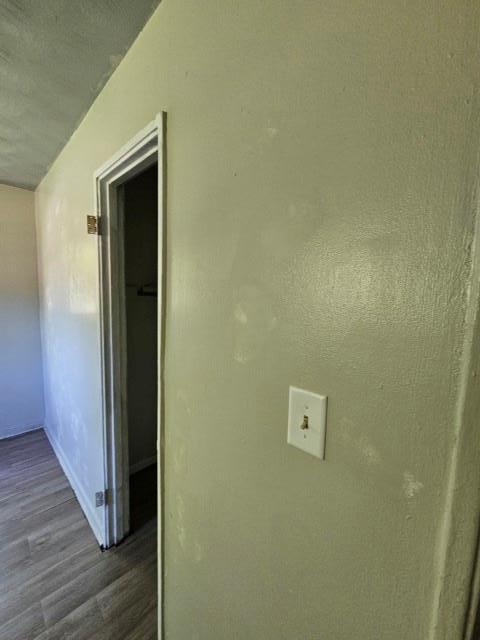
<point>305,407</point>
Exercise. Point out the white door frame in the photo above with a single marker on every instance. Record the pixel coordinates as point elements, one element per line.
<point>144,150</point>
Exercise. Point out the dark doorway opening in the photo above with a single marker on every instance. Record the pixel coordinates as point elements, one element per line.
<point>140,226</point>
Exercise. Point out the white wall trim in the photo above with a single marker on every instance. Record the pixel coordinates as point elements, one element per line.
<point>142,464</point>
<point>18,429</point>
<point>81,495</point>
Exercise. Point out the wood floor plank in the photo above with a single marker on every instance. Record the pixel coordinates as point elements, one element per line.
<point>111,566</point>
<point>32,502</point>
<point>25,626</point>
<point>130,598</point>
<point>14,528</point>
<point>147,629</point>
<point>55,582</point>
<point>84,623</point>
<point>14,554</point>
<point>45,582</point>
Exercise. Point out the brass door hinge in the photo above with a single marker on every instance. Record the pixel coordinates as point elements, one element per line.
<point>93,225</point>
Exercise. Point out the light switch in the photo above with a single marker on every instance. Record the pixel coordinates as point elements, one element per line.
<point>307,421</point>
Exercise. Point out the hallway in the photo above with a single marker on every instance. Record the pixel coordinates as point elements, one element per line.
<point>55,583</point>
<point>240,242</point>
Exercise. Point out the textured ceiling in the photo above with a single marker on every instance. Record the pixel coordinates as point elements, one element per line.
<point>55,56</point>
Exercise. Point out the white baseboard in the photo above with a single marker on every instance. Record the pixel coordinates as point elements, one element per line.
<point>18,430</point>
<point>82,497</point>
<point>143,464</point>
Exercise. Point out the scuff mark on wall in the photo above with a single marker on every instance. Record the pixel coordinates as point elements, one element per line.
<point>411,486</point>
<point>181,532</point>
<point>367,453</point>
<point>197,552</point>
<point>255,321</point>
<point>115,59</point>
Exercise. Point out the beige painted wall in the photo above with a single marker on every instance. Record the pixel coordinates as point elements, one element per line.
<point>321,171</point>
<point>21,386</point>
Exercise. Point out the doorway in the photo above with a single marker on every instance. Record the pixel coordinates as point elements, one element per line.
<point>140,265</point>
<point>130,201</point>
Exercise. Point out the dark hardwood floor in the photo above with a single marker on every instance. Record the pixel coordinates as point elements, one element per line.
<point>55,583</point>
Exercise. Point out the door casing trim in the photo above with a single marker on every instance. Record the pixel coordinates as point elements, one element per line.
<point>142,151</point>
